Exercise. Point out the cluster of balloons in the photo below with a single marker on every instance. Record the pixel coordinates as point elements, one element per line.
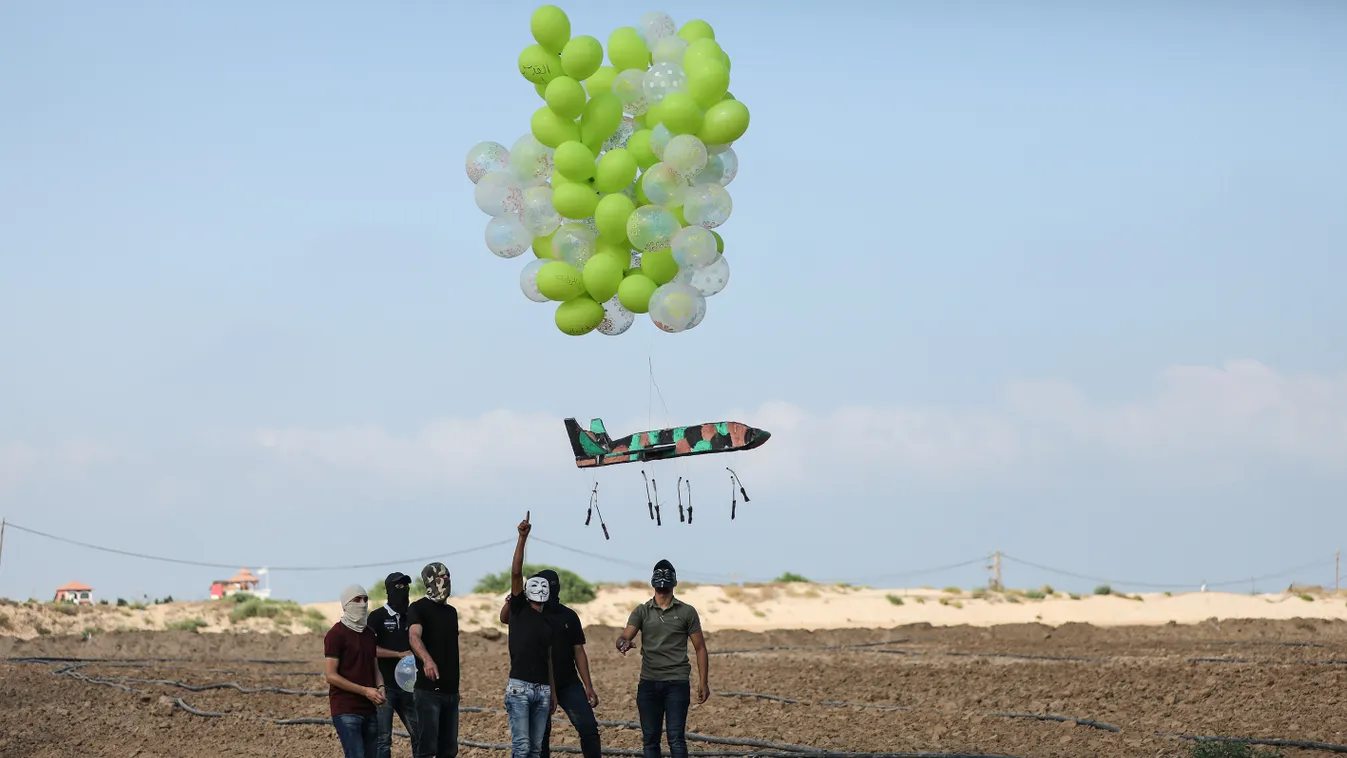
<point>621,179</point>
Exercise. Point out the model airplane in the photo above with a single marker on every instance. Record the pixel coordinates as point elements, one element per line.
<point>595,448</point>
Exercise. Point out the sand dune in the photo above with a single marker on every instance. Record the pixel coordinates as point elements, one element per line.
<point>749,608</point>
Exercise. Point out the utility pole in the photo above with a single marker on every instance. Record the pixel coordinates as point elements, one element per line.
<point>995,584</point>
<point>2,538</point>
<point>1337,565</point>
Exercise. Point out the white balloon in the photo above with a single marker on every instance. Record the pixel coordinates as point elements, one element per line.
<point>655,26</point>
<point>531,161</point>
<point>616,318</point>
<point>694,247</point>
<point>709,279</point>
<point>499,193</point>
<point>539,216</point>
<point>730,160</point>
<point>669,50</point>
<point>685,154</point>
<point>663,79</point>
<point>623,134</point>
<point>713,173</point>
<point>528,280</point>
<point>506,237</point>
<point>629,86</point>
<point>659,139</point>
<point>708,206</point>
<point>574,243</point>
<point>674,306</point>
<point>485,157</point>
<point>701,314</point>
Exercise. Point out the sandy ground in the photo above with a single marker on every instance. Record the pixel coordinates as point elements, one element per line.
<point>748,608</point>
<point>1012,690</point>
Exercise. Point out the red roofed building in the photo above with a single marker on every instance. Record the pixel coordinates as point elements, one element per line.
<point>74,592</point>
<point>242,582</point>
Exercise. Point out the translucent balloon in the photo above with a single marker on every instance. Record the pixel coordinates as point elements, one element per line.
<point>655,26</point>
<point>708,280</point>
<point>528,279</point>
<point>674,306</point>
<point>664,79</point>
<point>616,318</point>
<point>701,314</point>
<point>713,173</point>
<point>650,227</point>
<point>685,154</point>
<point>659,139</point>
<point>731,162</point>
<point>485,157</point>
<point>405,673</point>
<point>663,186</point>
<point>694,247</point>
<point>507,237</point>
<point>574,243</point>
<point>707,205</point>
<point>629,86</point>
<point>717,149</point>
<point>539,216</point>
<point>499,193</point>
<point>623,134</point>
<point>531,160</point>
<point>669,50</point>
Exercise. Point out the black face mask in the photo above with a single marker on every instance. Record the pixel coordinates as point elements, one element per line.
<point>398,598</point>
<point>664,577</point>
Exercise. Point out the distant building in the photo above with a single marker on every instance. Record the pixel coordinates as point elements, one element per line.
<point>74,592</point>
<point>244,582</point>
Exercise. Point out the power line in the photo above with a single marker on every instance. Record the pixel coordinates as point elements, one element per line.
<point>1153,585</point>
<point>204,564</point>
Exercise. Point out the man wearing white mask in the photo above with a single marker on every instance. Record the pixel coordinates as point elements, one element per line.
<point>530,698</point>
<point>355,684</point>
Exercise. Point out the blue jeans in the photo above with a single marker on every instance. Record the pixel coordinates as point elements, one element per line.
<point>572,699</point>
<point>436,724</point>
<point>529,706</point>
<point>358,734</point>
<point>403,703</point>
<point>666,703</point>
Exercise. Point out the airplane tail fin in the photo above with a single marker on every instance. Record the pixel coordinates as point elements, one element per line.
<point>587,444</point>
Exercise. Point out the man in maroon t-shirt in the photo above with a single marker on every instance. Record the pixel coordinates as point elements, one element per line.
<point>355,684</point>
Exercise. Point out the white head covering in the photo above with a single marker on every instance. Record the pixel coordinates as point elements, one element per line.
<point>353,614</point>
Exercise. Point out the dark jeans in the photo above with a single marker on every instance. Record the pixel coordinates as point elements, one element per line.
<point>665,702</point>
<point>436,724</point>
<point>572,700</point>
<point>404,704</point>
<point>358,734</point>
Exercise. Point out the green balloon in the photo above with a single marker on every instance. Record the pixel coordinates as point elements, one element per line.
<point>579,316</point>
<point>681,114</point>
<point>601,83</point>
<point>630,272</point>
<point>720,242</point>
<point>552,130</point>
<point>707,82</point>
<point>704,49</point>
<point>634,292</point>
<point>542,246</point>
<point>626,49</point>
<point>582,57</point>
<point>611,216</point>
<point>619,248</point>
<point>602,275</point>
<point>725,122</point>
<point>639,146</point>
<point>695,30</point>
<point>659,266</point>
<point>551,28</point>
<point>616,171</point>
<point>541,89</point>
<point>574,161</point>
<point>602,117</point>
<point>566,97</point>
<point>677,211</point>
<point>558,280</point>
<point>575,200</point>
<point>539,66</point>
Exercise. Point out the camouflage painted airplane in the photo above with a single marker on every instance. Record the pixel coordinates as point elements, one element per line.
<point>595,448</point>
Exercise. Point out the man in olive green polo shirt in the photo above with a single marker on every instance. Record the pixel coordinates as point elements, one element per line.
<point>663,695</point>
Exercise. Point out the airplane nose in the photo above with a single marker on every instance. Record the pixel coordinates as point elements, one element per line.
<point>757,436</point>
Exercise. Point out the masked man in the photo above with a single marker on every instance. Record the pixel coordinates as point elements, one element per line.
<point>570,669</point>
<point>663,694</point>
<point>529,698</point>
<point>393,644</point>
<point>355,686</point>
<point>433,634</point>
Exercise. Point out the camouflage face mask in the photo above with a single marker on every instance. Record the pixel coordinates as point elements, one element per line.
<point>436,578</point>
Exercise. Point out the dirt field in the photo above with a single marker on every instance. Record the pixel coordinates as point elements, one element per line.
<point>957,690</point>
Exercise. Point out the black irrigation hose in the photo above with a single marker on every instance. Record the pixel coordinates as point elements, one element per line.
<point>842,704</point>
<point>217,686</point>
<point>1263,642</point>
<point>50,659</point>
<point>737,753</point>
<point>1304,661</point>
<point>1304,744</point>
<point>1030,657</point>
<point>778,648</point>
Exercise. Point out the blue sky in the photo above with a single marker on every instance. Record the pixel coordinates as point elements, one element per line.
<point>1059,280</point>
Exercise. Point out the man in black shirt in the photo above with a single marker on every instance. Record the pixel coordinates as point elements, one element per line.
<point>394,643</point>
<point>529,699</point>
<point>433,633</point>
<point>575,690</point>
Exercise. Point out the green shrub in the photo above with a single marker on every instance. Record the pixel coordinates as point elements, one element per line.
<point>574,589</point>
<point>256,607</point>
<point>952,590</point>
<point>791,577</point>
<point>187,625</point>
<point>1103,589</point>
<point>314,621</point>
<point>1210,749</point>
<point>1306,598</point>
<point>1034,594</point>
<point>894,599</point>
